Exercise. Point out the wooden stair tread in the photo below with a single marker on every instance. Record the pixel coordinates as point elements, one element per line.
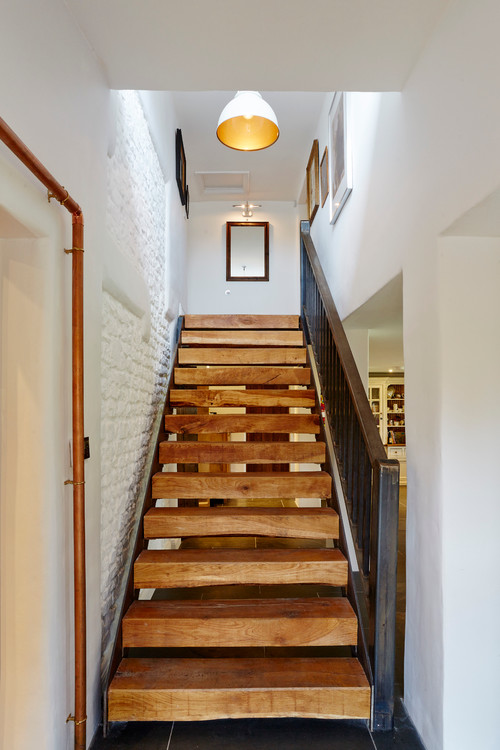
<point>214,567</point>
<point>212,337</point>
<point>241,321</point>
<point>234,423</point>
<point>227,623</point>
<point>211,397</point>
<point>232,356</point>
<point>240,484</point>
<point>257,375</point>
<point>306,523</point>
<point>198,689</point>
<point>237,452</point>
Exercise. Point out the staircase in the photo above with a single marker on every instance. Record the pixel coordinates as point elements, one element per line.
<point>248,617</point>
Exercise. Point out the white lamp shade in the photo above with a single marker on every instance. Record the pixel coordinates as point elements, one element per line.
<point>248,123</point>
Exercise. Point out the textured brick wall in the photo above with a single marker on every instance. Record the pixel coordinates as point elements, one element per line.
<point>133,371</point>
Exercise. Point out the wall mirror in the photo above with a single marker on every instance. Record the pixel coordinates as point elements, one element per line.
<point>247,251</point>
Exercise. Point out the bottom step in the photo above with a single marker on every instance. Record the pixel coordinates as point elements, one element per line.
<point>200,689</point>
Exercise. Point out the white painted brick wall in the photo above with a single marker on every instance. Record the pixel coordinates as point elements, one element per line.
<point>133,371</point>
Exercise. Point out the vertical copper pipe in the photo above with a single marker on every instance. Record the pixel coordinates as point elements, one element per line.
<point>57,191</point>
<point>79,489</point>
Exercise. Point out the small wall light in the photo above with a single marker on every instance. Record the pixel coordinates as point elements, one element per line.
<point>248,123</point>
<point>247,208</point>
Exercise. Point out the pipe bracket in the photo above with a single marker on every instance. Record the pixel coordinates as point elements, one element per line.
<point>74,250</point>
<point>70,481</point>
<point>53,195</point>
<point>73,718</point>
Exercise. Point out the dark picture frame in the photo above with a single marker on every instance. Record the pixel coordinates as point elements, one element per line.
<point>186,205</point>
<point>312,174</point>
<point>180,166</point>
<point>230,248</point>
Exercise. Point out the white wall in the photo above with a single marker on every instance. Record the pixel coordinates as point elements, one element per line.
<point>469,269</point>
<point>206,269</point>
<point>55,97</point>
<point>421,159</point>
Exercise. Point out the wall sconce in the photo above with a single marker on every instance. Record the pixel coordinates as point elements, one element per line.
<point>248,123</point>
<point>247,208</point>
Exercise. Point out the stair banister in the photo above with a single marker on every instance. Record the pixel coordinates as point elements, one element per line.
<point>368,487</point>
<point>57,191</point>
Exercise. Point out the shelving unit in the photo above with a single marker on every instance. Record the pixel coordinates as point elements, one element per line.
<point>387,401</point>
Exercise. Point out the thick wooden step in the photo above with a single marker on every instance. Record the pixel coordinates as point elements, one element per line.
<point>220,567</point>
<point>258,375</point>
<point>193,424</point>
<point>240,484</point>
<point>243,338</point>
<point>242,397</point>
<point>241,452</point>
<point>226,623</point>
<point>200,689</point>
<point>241,356</point>
<point>241,321</point>
<point>294,523</point>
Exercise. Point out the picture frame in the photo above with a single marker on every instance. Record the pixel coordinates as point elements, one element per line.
<point>312,179</point>
<point>340,155</point>
<point>323,172</point>
<point>186,205</point>
<point>180,166</point>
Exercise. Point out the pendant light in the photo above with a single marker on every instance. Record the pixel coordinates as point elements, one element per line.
<point>248,123</point>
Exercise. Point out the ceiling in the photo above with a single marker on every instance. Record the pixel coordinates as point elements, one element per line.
<point>290,51</point>
<point>382,317</point>
<point>203,45</point>
<point>275,174</point>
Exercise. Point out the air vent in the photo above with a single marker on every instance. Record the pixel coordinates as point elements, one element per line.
<point>223,182</point>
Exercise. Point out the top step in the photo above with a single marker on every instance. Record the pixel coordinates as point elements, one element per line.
<point>241,321</point>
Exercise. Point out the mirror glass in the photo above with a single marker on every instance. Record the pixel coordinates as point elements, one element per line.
<point>247,251</point>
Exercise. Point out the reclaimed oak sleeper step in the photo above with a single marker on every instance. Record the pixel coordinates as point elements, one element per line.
<point>293,523</point>
<point>224,623</point>
<point>245,397</point>
<point>241,452</point>
<point>193,424</point>
<point>241,321</point>
<point>240,356</point>
<point>202,689</point>
<point>242,338</point>
<point>242,484</point>
<point>221,567</point>
<point>257,375</point>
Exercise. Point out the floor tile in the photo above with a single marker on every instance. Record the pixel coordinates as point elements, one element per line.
<point>270,734</point>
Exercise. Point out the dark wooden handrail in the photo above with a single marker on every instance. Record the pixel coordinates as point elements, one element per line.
<point>368,487</point>
<point>145,502</point>
<point>57,191</point>
<point>369,429</point>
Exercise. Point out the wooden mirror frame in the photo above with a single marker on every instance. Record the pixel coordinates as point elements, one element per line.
<point>229,225</point>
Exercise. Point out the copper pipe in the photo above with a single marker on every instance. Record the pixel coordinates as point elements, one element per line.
<point>56,190</point>
<point>79,487</point>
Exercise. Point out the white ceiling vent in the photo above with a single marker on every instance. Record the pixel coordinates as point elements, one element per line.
<point>212,183</point>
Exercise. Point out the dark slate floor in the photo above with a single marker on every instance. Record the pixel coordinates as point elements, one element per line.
<point>270,734</point>
<point>260,734</point>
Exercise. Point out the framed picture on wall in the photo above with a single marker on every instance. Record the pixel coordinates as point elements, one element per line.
<point>180,166</point>
<point>312,174</point>
<point>340,155</point>
<point>323,171</point>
